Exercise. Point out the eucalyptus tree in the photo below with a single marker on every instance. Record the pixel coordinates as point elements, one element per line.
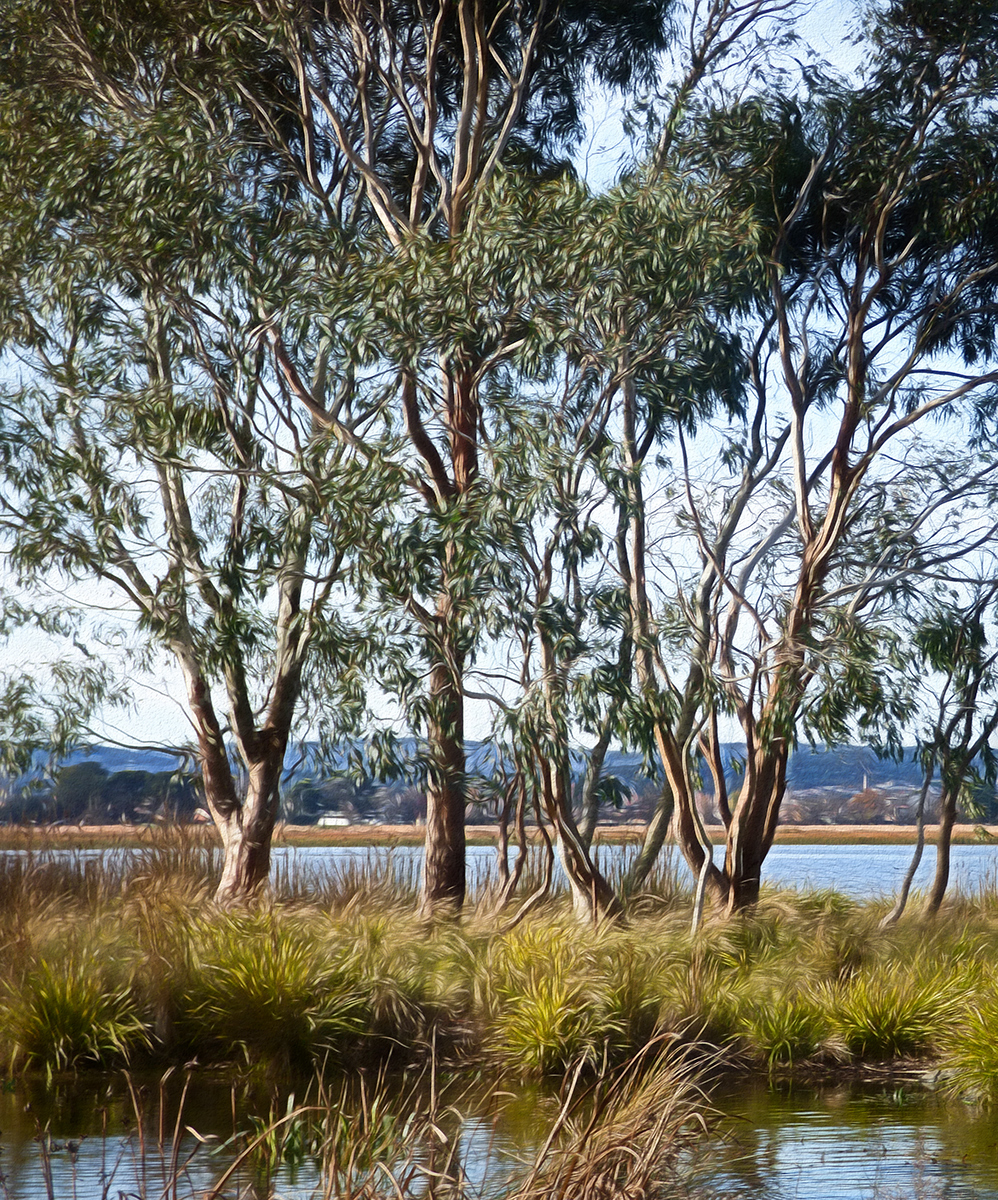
<point>882,278</point>
<point>954,662</point>
<point>151,445</point>
<point>378,124</point>
<point>419,104</point>
<point>962,651</point>
<point>637,275</point>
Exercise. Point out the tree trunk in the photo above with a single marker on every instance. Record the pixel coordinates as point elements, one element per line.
<point>444,882</point>
<point>248,833</point>
<point>901,903</point>
<point>593,900</point>
<point>592,897</point>
<point>655,834</point>
<point>947,818</point>
<point>589,815</point>
<point>753,824</point>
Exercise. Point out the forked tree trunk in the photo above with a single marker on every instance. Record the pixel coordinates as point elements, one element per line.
<point>592,897</point>
<point>247,834</point>
<point>245,823</point>
<point>753,826</point>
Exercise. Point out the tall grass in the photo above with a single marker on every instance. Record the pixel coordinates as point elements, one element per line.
<point>124,961</point>
<point>628,1133</point>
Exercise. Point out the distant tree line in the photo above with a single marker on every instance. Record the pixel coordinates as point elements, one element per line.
<point>86,793</point>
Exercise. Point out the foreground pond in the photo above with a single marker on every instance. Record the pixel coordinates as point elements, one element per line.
<point>96,1137</point>
<point>851,1143</point>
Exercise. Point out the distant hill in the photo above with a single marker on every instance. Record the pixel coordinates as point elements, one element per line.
<point>117,758</point>
<point>841,785</point>
<point>838,767</point>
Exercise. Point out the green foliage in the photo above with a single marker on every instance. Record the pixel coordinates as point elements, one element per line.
<point>267,988</point>
<point>73,1012</point>
<point>971,1051</point>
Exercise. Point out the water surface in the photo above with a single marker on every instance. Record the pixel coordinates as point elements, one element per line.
<point>96,1137</point>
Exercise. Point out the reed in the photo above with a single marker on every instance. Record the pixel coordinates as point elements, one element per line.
<point>627,1133</point>
<point>124,960</point>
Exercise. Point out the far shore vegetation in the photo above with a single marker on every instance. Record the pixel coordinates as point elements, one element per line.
<point>97,836</point>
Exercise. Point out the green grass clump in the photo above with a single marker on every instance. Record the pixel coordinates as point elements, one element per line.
<point>971,1050</point>
<point>891,1013</point>
<point>789,1029</point>
<point>69,1013</point>
<point>262,986</point>
<point>103,964</point>
<point>555,997</point>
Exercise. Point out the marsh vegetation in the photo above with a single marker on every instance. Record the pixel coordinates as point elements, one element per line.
<point>122,964</point>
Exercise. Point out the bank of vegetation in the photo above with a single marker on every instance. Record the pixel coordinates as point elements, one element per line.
<point>108,965</point>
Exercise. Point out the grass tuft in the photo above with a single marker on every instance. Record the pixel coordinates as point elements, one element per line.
<point>789,1029</point>
<point>891,1013</point>
<point>67,1014</point>
<point>262,985</point>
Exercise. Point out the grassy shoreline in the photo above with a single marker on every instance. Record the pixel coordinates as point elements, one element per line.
<point>115,960</point>
<point>112,962</point>
<point>15,837</point>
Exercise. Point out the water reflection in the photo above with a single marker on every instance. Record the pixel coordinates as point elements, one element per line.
<point>184,1136</point>
<point>143,1137</point>
<point>850,1143</point>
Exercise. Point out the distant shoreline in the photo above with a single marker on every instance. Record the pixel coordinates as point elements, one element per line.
<point>98,836</point>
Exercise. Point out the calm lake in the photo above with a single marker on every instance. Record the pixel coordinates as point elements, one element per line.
<point>860,871</point>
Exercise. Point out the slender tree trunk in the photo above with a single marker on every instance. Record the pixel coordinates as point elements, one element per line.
<point>590,789</point>
<point>901,903</point>
<point>686,822</point>
<point>544,888</point>
<point>676,802</point>
<point>444,880</point>
<point>655,834</point>
<point>592,897</point>
<point>509,880</point>
<point>947,818</point>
